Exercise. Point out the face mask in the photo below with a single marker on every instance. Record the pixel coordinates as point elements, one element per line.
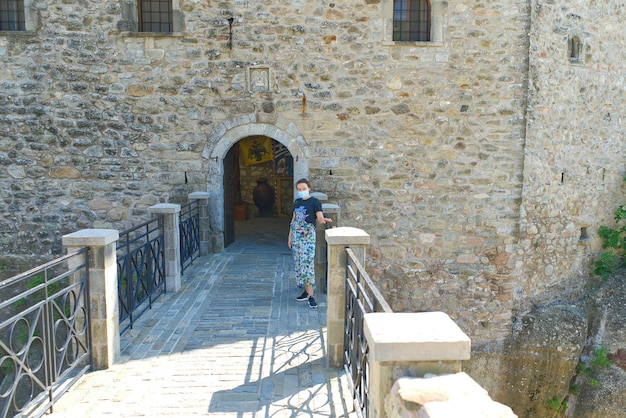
<point>303,194</point>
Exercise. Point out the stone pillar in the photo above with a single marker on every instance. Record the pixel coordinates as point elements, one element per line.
<point>337,239</point>
<point>103,294</point>
<point>410,344</point>
<point>205,233</point>
<point>320,248</point>
<point>171,223</point>
<point>333,212</point>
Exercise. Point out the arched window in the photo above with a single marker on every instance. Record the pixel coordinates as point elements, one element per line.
<point>411,20</point>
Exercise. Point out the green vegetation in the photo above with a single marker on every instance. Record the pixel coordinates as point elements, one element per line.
<point>600,358</point>
<point>557,405</point>
<point>34,282</point>
<point>614,244</point>
<point>587,370</point>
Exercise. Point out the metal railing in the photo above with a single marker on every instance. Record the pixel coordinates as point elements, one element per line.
<point>45,342</point>
<point>362,297</point>
<point>140,270</point>
<point>189,231</point>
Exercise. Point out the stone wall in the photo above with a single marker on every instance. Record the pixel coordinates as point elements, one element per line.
<point>442,151</point>
<point>575,147</point>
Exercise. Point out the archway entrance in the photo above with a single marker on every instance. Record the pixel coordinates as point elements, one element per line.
<point>223,144</point>
<point>258,183</point>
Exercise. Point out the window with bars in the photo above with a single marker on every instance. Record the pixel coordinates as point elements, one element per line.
<point>411,20</point>
<point>12,15</point>
<point>155,16</point>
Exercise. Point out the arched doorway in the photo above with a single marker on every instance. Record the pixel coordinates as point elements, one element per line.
<point>223,140</point>
<point>258,183</point>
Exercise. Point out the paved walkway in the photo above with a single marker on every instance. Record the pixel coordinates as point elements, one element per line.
<point>232,343</point>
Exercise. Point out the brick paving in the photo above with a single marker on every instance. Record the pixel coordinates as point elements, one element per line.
<point>232,343</point>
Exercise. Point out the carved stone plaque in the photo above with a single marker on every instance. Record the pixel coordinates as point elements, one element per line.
<point>259,79</point>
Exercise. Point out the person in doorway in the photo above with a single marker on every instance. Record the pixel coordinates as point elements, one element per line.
<point>306,211</point>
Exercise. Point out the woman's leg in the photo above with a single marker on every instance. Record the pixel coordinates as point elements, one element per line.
<point>309,289</point>
<point>303,246</point>
<point>309,261</point>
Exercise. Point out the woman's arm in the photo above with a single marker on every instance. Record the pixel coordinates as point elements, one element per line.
<point>289,238</point>
<point>320,218</point>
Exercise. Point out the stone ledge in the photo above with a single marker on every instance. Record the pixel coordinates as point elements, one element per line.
<point>455,395</point>
<point>330,208</point>
<point>423,336</point>
<point>164,208</point>
<point>91,237</point>
<point>346,235</point>
<point>322,197</point>
<point>199,195</point>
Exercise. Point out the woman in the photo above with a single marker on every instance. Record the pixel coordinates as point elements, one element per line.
<point>306,210</point>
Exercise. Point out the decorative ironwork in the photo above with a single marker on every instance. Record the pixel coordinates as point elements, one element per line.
<point>45,343</point>
<point>362,297</point>
<point>140,270</point>
<point>189,231</point>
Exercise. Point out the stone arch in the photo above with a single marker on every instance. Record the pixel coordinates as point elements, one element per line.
<point>226,134</point>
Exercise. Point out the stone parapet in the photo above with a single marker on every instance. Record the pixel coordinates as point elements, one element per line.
<point>103,293</point>
<point>205,225</point>
<point>333,212</point>
<point>171,223</point>
<point>454,395</point>
<point>337,239</point>
<point>423,336</point>
<point>322,197</point>
<point>410,344</point>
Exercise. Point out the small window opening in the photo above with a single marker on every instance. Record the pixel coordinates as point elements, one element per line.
<point>583,234</point>
<point>574,48</point>
<point>562,178</point>
<point>411,20</point>
<point>155,16</point>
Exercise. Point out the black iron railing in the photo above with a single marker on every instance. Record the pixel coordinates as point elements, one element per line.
<point>45,343</point>
<point>140,270</point>
<point>362,297</point>
<point>189,231</point>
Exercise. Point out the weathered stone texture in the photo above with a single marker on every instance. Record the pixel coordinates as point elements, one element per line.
<point>450,154</point>
<point>573,168</point>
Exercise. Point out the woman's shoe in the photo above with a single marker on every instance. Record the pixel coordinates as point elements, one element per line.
<point>304,296</point>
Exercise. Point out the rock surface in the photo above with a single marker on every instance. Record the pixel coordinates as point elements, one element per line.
<point>561,359</point>
<point>602,380</point>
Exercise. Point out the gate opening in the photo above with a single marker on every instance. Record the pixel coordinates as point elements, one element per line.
<point>258,188</point>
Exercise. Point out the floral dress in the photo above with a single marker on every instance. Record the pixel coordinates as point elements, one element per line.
<point>303,240</point>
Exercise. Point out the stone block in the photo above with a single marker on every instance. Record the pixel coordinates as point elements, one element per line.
<point>453,395</point>
<point>425,336</point>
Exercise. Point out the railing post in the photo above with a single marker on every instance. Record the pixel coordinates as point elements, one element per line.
<point>103,297</point>
<point>410,344</point>
<point>171,241</point>
<point>333,212</point>
<point>203,207</point>
<point>337,239</point>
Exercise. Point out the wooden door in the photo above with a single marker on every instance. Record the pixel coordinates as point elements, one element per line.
<point>231,185</point>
